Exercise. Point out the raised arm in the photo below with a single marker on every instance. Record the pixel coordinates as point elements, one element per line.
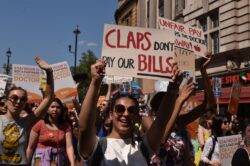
<point>156,131</point>
<point>49,91</point>
<point>209,100</point>
<point>184,94</point>
<point>87,117</point>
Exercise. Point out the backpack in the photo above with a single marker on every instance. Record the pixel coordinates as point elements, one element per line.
<point>98,155</point>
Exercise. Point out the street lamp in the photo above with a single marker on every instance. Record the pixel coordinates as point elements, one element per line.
<point>8,54</point>
<point>76,32</point>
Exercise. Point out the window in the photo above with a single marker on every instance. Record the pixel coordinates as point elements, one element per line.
<point>127,19</point>
<point>215,42</point>
<point>161,8</point>
<point>148,11</point>
<point>215,19</point>
<point>203,23</point>
<point>205,39</point>
<point>179,6</point>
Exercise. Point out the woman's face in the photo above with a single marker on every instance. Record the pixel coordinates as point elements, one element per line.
<point>54,110</point>
<point>16,101</point>
<point>124,115</point>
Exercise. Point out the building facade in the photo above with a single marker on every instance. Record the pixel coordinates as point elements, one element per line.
<point>226,24</point>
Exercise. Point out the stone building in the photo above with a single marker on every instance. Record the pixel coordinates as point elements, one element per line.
<point>226,24</point>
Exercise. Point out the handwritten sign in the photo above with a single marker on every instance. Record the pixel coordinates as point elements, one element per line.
<point>227,147</point>
<point>138,52</point>
<point>3,82</point>
<point>27,77</point>
<point>65,87</point>
<point>32,78</point>
<point>186,37</point>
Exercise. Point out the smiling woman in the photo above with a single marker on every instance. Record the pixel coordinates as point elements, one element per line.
<point>13,127</point>
<point>121,147</point>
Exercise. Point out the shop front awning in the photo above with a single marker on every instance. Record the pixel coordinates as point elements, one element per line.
<point>225,95</point>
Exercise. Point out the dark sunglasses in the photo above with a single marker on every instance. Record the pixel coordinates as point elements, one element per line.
<point>120,109</point>
<point>15,99</point>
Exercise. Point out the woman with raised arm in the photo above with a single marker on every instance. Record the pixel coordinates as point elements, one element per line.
<point>177,142</point>
<point>13,128</point>
<point>120,147</point>
<point>51,139</point>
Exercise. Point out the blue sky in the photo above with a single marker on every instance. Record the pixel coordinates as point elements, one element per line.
<point>45,28</point>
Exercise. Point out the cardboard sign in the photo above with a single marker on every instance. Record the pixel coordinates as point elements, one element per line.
<point>65,87</point>
<point>116,79</point>
<point>234,98</point>
<point>3,82</point>
<point>32,79</point>
<point>27,77</point>
<point>227,147</point>
<point>186,63</point>
<point>138,52</point>
<point>186,37</point>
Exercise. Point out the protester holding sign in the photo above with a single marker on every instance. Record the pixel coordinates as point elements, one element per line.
<point>120,147</point>
<point>51,138</point>
<point>13,128</point>
<point>210,154</point>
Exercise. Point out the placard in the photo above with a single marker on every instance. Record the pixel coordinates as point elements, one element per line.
<point>186,37</point>
<point>138,52</point>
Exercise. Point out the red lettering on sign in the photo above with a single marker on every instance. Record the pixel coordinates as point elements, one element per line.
<point>136,40</point>
<point>154,64</point>
<point>172,25</point>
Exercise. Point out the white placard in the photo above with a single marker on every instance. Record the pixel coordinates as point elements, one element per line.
<point>3,82</point>
<point>186,37</point>
<point>138,52</point>
<point>227,147</point>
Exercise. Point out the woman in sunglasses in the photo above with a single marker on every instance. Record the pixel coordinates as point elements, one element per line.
<point>119,147</point>
<point>13,128</point>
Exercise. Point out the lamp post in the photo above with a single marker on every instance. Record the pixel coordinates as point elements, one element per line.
<point>8,54</point>
<point>76,32</point>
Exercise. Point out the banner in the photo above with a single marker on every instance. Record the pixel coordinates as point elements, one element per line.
<point>33,79</point>
<point>3,82</point>
<point>138,52</point>
<point>227,147</point>
<point>186,37</point>
<point>234,98</point>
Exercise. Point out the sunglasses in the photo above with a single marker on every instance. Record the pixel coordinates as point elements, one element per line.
<point>120,109</point>
<point>16,99</point>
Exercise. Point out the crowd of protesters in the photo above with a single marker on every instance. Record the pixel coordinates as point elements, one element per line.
<point>122,128</point>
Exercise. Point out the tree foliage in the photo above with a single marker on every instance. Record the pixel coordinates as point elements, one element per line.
<point>87,59</point>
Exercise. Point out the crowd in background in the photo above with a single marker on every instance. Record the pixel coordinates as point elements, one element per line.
<point>125,127</point>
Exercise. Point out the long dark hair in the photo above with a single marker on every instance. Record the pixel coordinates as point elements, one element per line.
<point>62,117</point>
<point>216,125</point>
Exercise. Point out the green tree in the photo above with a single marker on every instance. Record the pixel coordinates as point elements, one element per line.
<point>87,59</point>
